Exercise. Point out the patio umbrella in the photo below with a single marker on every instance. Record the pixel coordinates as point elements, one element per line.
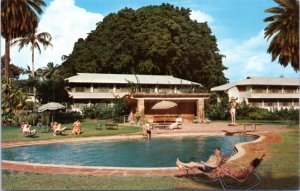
<point>164,105</point>
<point>52,106</point>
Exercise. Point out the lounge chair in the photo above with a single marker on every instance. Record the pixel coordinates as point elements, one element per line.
<point>243,179</point>
<point>215,176</point>
<point>174,126</point>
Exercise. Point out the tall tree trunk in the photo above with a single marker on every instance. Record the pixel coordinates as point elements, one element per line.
<point>34,89</point>
<point>7,56</point>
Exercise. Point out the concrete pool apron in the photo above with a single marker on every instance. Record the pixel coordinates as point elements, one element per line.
<point>106,171</point>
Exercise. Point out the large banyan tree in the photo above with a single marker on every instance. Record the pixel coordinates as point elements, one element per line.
<point>151,40</point>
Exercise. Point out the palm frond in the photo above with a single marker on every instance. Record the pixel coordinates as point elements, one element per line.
<point>283,31</point>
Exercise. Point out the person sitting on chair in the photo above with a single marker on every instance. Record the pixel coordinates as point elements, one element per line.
<point>213,162</point>
<point>76,128</point>
<point>26,129</point>
<point>56,128</point>
<point>179,119</point>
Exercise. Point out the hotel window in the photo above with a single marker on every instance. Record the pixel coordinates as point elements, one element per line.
<point>102,89</point>
<point>259,89</point>
<point>270,103</point>
<point>275,89</point>
<point>256,103</point>
<point>81,104</point>
<point>81,89</point>
<point>296,102</point>
<point>241,88</point>
<point>290,90</point>
<point>285,103</point>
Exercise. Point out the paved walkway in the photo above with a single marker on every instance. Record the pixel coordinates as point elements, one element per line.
<point>269,134</point>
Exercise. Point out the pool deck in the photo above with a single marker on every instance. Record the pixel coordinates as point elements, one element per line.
<point>269,134</point>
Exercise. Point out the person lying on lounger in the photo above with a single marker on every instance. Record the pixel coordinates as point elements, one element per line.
<point>242,173</point>
<point>213,162</point>
<point>177,124</point>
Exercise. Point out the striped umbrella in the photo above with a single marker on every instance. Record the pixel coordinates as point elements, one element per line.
<point>52,106</point>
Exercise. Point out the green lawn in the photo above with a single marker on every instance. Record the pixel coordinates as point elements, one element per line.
<point>280,172</point>
<point>87,126</point>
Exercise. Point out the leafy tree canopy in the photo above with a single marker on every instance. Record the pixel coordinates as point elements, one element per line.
<point>15,71</point>
<point>151,40</point>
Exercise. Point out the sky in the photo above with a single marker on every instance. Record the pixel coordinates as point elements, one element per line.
<point>237,24</point>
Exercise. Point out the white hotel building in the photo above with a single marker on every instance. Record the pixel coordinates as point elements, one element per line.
<point>264,92</point>
<point>92,88</point>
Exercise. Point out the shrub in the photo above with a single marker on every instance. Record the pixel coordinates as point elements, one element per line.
<point>99,110</point>
<point>31,117</point>
<point>259,114</point>
<point>63,117</point>
<point>217,110</point>
<point>220,111</point>
<point>243,109</point>
<point>114,111</point>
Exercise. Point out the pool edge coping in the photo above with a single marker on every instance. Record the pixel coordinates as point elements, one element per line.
<point>239,148</point>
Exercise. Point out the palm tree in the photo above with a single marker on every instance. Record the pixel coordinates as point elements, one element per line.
<point>50,72</point>
<point>284,28</point>
<point>34,40</point>
<point>18,18</point>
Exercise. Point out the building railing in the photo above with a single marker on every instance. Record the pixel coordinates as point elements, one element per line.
<point>142,90</point>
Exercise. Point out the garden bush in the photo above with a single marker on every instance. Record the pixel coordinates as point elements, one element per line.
<point>63,117</point>
<point>31,117</point>
<point>115,111</point>
<point>219,110</point>
<point>259,114</point>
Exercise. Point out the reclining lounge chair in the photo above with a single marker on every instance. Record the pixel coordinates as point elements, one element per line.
<point>244,178</point>
<point>222,175</point>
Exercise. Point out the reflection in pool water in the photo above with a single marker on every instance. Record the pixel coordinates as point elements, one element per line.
<point>159,152</point>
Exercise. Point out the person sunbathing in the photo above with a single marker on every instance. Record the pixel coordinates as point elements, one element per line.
<point>76,128</point>
<point>56,128</point>
<point>242,173</point>
<point>26,129</point>
<point>177,124</point>
<point>213,162</point>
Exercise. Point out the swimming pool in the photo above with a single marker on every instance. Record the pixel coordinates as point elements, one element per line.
<point>159,152</point>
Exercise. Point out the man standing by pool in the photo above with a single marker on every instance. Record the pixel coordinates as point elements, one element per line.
<point>148,130</point>
<point>213,162</point>
<point>233,110</point>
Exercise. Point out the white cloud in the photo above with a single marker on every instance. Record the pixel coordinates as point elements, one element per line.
<point>66,23</point>
<point>250,58</point>
<point>201,16</point>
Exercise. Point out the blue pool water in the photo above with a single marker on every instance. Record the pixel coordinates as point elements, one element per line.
<point>159,152</point>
